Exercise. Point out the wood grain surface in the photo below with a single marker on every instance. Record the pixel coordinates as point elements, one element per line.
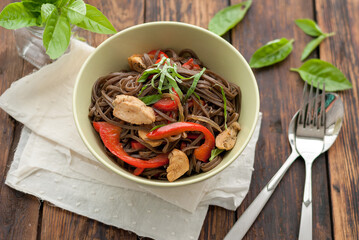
<point>335,174</point>
<point>342,50</point>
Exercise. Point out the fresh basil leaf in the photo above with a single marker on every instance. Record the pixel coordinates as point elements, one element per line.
<point>57,35</point>
<point>15,16</point>
<point>34,6</point>
<point>162,78</point>
<point>46,10</point>
<point>224,106</point>
<point>194,84</point>
<point>150,99</point>
<point>174,84</point>
<point>61,3</point>
<point>271,53</point>
<point>76,11</point>
<point>228,17</point>
<point>215,152</point>
<point>147,73</point>
<point>313,45</point>
<point>158,126</point>
<point>95,21</point>
<point>316,70</point>
<point>309,27</point>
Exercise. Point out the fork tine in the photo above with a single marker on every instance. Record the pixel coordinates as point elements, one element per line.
<point>316,107</point>
<point>303,104</point>
<point>322,116</point>
<point>308,116</point>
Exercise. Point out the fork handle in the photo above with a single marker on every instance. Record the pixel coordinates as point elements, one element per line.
<point>246,220</point>
<point>306,219</point>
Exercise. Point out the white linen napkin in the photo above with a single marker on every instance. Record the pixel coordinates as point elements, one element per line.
<point>52,163</point>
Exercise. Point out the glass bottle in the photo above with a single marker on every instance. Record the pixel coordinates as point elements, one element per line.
<point>30,46</point>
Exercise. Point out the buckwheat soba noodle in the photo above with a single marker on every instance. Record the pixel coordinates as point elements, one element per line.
<point>168,117</point>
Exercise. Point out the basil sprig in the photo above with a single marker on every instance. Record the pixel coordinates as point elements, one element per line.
<point>316,70</point>
<point>56,16</point>
<point>228,17</point>
<point>271,53</point>
<point>312,29</point>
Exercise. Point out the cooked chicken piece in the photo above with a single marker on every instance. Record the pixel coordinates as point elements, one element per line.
<point>132,110</point>
<point>136,63</point>
<point>178,165</point>
<point>227,138</point>
<point>154,143</point>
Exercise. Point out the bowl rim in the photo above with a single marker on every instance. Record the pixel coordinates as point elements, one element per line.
<point>157,183</point>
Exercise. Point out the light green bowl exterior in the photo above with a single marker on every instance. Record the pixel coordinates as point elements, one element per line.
<point>216,53</point>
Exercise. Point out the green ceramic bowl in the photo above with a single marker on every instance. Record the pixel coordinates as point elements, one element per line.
<point>216,53</point>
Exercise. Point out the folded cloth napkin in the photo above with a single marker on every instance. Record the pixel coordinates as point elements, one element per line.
<point>52,163</point>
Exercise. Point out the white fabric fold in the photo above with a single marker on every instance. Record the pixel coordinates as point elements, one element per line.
<point>52,163</point>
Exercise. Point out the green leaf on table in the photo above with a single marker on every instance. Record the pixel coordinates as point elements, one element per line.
<point>271,53</point>
<point>95,21</point>
<point>309,27</point>
<point>76,11</point>
<point>228,17</point>
<point>314,44</point>
<point>57,35</point>
<point>151,99</point>
<point>215,152</point>
<point>46,10</point>
<point>316,70</point>
<point>15,16</point>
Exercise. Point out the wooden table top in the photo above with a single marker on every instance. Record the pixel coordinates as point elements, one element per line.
<point>335,174</point>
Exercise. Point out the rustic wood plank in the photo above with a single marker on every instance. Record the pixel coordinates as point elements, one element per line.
<point>18,212</point>
<point>280,92</point>
<point>342,51</point>
<point>61,224</point>
<point>68,225</point>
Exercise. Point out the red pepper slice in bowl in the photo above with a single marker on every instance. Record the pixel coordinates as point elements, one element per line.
<point>203,152</point>
<point>160,54</point>
<point>137,146</point>
<point>191,65</point>
<point>167,104</point>
<point>110,136</point>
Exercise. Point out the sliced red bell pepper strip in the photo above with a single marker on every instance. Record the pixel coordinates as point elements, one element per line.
<point>191,65</point>
<point>160,54</point>
<point>167,104</point>
<point>138,171</point>
<point>110,136</point>
<point>203,152</point>
<point>137,146</point>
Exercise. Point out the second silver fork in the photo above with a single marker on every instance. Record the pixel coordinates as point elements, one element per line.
<point>309,143</point>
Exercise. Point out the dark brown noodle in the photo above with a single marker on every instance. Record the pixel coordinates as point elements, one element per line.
<point>208,89</point>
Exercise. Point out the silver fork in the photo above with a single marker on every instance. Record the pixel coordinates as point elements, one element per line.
<point>309,143</point>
